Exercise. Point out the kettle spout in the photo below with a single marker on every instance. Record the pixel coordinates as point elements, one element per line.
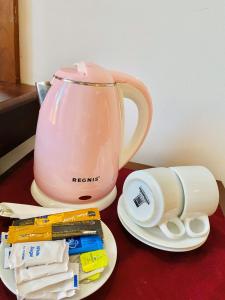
<point>42,89</point>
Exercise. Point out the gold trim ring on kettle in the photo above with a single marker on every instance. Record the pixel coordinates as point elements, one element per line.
<point>85,83</point>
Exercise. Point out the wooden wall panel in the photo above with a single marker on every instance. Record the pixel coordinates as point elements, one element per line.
<point>19,109</point>
<point>9,41</point>
<point>17,125</point>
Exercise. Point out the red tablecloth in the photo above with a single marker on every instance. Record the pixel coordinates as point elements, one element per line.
<point>142,272</point>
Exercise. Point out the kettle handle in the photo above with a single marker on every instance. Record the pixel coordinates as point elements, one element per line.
<point>135,90</point>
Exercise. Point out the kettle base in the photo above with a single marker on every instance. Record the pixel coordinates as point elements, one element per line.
<point>46,201</point>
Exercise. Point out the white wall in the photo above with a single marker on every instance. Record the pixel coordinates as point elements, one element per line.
<point>176,47</point>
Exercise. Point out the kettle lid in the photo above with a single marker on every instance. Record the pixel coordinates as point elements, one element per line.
<point>85,73</point>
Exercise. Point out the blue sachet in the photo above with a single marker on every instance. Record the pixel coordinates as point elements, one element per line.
<point>81,244</point>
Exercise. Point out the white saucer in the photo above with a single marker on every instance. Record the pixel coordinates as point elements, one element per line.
<point>7,276</point>
<point>156,246</point>
<point>154,237</point>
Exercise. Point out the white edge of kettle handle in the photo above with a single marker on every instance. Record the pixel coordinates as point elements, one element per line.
<point>135,90</point>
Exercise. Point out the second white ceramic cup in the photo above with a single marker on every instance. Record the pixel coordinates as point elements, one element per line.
<point>201,198</point>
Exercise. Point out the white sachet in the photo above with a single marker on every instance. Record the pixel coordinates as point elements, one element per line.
<point>37,253</point>
<point>7,249</point>
<point>49,296</point>
<point>28,287</point>
<point>29,273</point>
<point>4,237</point>
<point>7,253</point>
<point>67,285</point>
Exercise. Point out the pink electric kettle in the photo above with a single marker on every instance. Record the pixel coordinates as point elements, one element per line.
<point>79,139</point>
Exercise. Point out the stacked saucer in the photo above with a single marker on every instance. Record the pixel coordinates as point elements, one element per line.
<point>168,208</point>
<point>154,237</point>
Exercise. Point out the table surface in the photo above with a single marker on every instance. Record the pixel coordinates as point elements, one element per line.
<point>141,271</point>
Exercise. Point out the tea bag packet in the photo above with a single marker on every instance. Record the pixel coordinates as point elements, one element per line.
<point>58,231</point>
<point>81,228</point>
<point>28,287</point>
<point>64,217</point>
<point>29,273</point>
<point>37,253</point>
<point>29,233</point>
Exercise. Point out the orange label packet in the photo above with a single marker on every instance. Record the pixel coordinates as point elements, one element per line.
<point>29,233</point>
<point>65,217</point>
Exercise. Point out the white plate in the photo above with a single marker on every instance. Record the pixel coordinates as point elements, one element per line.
<point>7,276</point>
<point>154,237</point>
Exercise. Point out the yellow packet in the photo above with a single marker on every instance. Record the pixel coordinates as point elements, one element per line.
<point>66,217</point>
<point>94,277</point>
<point>94,260</point>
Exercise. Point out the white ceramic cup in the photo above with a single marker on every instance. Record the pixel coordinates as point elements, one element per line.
<point>154,197</point>
<point>201,198</point>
